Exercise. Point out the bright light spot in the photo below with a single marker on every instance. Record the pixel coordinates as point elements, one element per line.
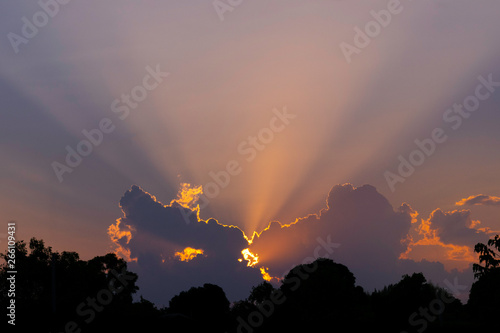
<point>188,196</point>
<point>265,275</point>
<point>252,258</point>
<point>188,254</point>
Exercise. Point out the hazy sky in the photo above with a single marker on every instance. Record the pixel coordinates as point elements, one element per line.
<point>268,105</point>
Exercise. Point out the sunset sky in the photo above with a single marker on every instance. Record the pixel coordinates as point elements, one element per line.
<point>371,126</point>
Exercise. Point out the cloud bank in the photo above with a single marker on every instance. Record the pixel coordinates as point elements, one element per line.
<point>173,249</point>
<point>361,220</point>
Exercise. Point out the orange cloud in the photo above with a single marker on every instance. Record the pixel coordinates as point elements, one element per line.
<point>479,200</point>
<point>188,196</point>
<point>444,236</point>
<point>188,254</point>
<point>116,234</point>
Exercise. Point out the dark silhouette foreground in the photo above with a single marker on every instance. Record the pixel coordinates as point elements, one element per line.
<point>58,292</point>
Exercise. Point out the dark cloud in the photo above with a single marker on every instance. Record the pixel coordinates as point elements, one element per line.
<point>456,227</point>
<point>156,232</point>
<point>479,200</point>
<point>371,235</point>
<point>358,228</point>
<point>361,220</point>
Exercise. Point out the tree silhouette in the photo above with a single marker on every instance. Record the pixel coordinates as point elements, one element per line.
<point>206,308</point>
<point>317,294</point>
<point>261,292</point>
<point>484,298</point>
<point>410,305</point>
<point>53,289</point>
<point>487,256</point>
<point>59,292</point>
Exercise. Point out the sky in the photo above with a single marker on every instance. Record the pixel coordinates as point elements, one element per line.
<point>227,141</point>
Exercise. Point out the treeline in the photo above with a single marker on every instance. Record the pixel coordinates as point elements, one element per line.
<point>58,292</point>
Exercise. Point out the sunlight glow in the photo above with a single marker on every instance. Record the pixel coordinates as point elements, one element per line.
<point>188,196</point>
<point>252,258</point>
<point>265,275</point>
<point>188,254</point>
<point>116,234</point>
